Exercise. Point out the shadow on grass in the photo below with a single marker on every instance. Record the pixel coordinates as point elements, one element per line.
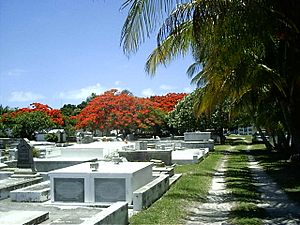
<point>282,170</point>
<point>241,184</point>
<point>185,196</point>
<point>247,214</point>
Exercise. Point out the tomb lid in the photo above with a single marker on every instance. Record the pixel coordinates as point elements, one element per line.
<point>105,167</point>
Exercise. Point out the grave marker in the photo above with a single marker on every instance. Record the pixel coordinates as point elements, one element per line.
<point>25,159</point>
<point>25,164</point>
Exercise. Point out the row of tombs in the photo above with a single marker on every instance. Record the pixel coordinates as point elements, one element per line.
<point>115,187</point>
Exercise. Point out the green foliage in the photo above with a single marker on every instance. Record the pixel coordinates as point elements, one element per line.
<point>182,118</point>
<point>246,52</point>
<point>51,137</point>
<point>35,152</point>
<point>69,110</point>
<point>26,123</point>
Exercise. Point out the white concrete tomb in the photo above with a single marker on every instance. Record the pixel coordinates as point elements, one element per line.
<point>197,136</point>
<point>109,183</point>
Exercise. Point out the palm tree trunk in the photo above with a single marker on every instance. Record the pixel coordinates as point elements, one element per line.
<point>266,142</point>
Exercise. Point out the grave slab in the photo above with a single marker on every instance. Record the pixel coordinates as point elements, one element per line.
<point>35,193</point>
<point>2,165</point>
<point>147,155</point>
<point>10,184</point>
<point>23,217</point>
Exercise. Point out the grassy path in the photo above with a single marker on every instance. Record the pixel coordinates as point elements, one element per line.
<point>240,183</point>
<point>243,181</point>
<point>216,209</point>
<point>192,188</point>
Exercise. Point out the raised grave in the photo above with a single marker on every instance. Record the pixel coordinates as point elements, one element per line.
<point>197,136</point>
<point>147,155</point>
<point>35,193</point>
<point>189,156</point>
<point>10,184</point>
<point>198,140</point>
<point>146,195</point>
<point>109,183</point>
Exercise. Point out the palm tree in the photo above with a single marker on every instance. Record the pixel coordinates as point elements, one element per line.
<point>243,46</point>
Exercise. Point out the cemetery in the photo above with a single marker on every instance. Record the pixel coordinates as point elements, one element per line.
<point>110,179</point>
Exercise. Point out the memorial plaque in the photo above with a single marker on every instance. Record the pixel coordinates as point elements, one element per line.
<point>69,189</point>
<point>110,190</point>
<point>25,159</point>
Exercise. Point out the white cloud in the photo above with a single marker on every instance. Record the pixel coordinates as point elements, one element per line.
<point>188,90</point>
<point>147,92</point>
<point>82,93</point>
<point>22,96</point>
<point>166,87</point>
<point>118,82</point>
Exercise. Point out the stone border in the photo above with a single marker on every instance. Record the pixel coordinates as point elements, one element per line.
<point>5,189</point>
<point>35,193</point>
<point>146,195</point>
<point>117,213</point>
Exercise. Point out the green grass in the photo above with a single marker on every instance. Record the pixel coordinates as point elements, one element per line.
<point>234,139</point>
<point>193,186</point>
<point>282,170</point>
<point>240,183</point>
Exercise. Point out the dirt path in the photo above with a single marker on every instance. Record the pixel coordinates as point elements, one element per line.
<point>215,211</point>
<point>280,209</point>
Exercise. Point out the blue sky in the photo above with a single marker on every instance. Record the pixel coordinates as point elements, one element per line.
<point>60,51</point>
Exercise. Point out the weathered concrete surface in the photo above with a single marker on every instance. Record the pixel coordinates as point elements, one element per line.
<point>19,217</point>
<point>58,214</point>
<point>145,196</point>
<point>10,184</point>
<point>34,193</point>
<point>188,156</point>
<point>147,155</point>
<point>115,214</point>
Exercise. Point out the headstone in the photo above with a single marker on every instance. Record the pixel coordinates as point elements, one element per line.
<point>25,164</point>
<point>25,159</point>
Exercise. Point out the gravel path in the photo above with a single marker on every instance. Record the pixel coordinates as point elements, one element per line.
<point>280,209</point>
<point>215,211</point>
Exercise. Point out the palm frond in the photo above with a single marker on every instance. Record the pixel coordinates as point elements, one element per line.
<point>174,45</point>
<point>143,18</point>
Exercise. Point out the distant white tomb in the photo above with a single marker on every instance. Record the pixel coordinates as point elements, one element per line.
<point>108,182</point>
<point>197,136</point>
<point>198,140</point>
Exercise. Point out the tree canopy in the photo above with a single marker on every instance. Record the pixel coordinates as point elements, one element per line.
<point>118,111</point>
<point>246,52</point>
